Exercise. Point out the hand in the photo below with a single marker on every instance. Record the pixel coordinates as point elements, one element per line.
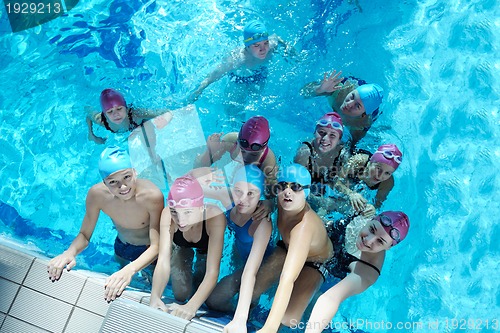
<point>329,84</point>
<point>56,265</point>
<point>97,139</point>
<point>369,211</point>
<point>193,97</point>
<point>213,142</point>
<point>182,311</point>
<point>116,283</point>
<point>157,303</point>
<point>264,208</point>
<point>357,201</point>
<point>236,326</point>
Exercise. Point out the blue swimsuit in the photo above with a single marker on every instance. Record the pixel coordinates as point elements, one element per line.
<point>258,75</point>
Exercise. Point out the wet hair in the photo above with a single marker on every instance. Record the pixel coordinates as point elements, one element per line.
<point>131,126</point>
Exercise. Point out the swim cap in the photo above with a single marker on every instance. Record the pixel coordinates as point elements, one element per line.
<point>185,192</point>
<point>399,221</point>
<point>111,98</point>
<point>250,174</point>
<point>371,95</point>
<point>296,173</point>
<point>388,154</point>
<point>328,119</point>
<point>113,159</point>
<point>255,130</point>
<point>254,32</point>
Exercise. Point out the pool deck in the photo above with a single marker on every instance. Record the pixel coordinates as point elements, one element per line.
<point>30,302</point>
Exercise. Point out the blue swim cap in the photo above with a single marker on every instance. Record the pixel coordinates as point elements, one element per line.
<point>296,173</point>
<point>371,95</point>
<point>250,174</point>
<point>113,159</point>
<point>254,32</point>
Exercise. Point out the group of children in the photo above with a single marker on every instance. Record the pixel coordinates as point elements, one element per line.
<point>183,237</point>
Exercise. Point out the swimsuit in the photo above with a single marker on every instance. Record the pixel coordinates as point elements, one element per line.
<point>129,251</point>
<point>338,266</point>
<point>201,245</point>
<point>320,267</point>
<point>258,75</point>
<point>243,239</point>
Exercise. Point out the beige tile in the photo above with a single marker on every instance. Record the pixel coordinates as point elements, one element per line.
<point>9,290</point>
<point>40,310</point>
<point>13,325</point>
<point>128,316</point>
<point>67,289</point>
<point>14,265</point>
<point>2,317</point>
<point>84,321</point>
<point>92,297</point>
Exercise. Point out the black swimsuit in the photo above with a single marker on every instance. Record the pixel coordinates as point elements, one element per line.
<point>201,245</point>
<point>338,266</point>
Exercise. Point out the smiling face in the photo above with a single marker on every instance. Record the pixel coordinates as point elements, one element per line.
<point>122,184</point>
<point>116,114</point>
<point>246,197</point>
<point>260,49</point>
<point>185,218</point>
<point>373,238</point>
<point>379,172</point>
<point>326,139</point>
<point>352,105</point>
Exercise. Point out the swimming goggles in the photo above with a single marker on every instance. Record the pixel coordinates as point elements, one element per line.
<point>281,186</point>
<point>335,125</point>
<point>254,146</point>
<point>183,203</point>
<point>386,221</point>
<point>256,36</point>
<point>390,155</point>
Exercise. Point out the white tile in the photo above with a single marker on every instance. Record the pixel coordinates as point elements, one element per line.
<point>14,265</point>
<point>92,297</point>
<point>84,321</point>
<point>13,325</point>
<point>40,310</point>
<point>9,290</point>
<point>67,289</point>
<point>135,295</point>
<point>203,326</point>
<point>2,317</point>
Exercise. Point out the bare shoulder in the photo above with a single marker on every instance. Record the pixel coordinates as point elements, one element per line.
<point>148,192</point>
<point>302,155</point>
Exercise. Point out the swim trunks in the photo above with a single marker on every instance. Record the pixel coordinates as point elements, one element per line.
<point>128,251</point>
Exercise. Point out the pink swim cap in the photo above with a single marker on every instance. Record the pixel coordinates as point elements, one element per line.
<point>332,120</point>
<point>111,98</point>
<point>254,132</point>
<point>396,224</point>
<point>388,154</point>
<point>185,192</point>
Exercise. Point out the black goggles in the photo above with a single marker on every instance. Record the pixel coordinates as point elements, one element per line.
<point>386,221</point>
<point>253,147</point>
<point>281,186</point>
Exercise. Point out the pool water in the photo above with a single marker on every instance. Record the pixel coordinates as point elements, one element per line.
<point>437,60</point>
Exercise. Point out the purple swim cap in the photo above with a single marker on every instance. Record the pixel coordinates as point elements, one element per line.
<point>185,192</point>
<point>396,224</point>
<point>111,98</point>
<point>254,131</point>
<point>388,154</point>
<point>332,120</point>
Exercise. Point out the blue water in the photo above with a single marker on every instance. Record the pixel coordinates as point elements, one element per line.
<point>438,62</point>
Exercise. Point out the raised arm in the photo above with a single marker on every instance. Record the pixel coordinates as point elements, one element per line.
<point>93,117</point>
<point>329,84</point>
<point>260,241</point>
<point>298,249</point>
<point>161,274</point>
<point>68,258</point>
<point>327,304</point>
<point>215,229</point>
<point>117,282</point>
<point>217,145</point>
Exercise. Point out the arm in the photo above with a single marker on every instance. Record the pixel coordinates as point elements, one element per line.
<point>217,145</point>
<point>117,282</point>
<point>68,257</point>
<point>298,249</point>
<point>161,274</point>
<point>90,118</point>
<point>383,191</point>
<point>327,86</point>
<point>215,229</point>
<point>260,240</point>
<point>353,165</point>
<point>327,304</point>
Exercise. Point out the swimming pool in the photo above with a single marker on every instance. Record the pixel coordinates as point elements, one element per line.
<point>437,60</point>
